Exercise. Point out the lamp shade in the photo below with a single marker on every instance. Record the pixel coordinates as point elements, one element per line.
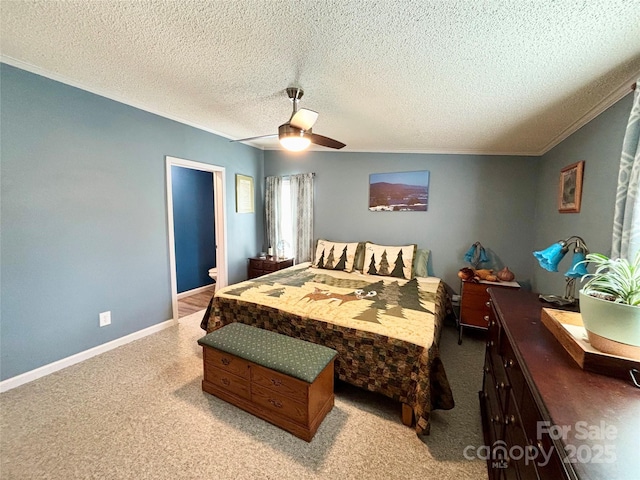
<point>292,138</point>
<point>577,269</point>
<point>468,257</point>
<point>550,257</point>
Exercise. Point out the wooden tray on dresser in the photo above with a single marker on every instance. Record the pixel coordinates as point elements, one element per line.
<point>568,328</point>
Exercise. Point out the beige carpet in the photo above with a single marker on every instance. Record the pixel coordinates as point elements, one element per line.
<point>138,412</point>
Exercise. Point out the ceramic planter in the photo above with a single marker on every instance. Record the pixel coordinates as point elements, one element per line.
<point>611,327</point>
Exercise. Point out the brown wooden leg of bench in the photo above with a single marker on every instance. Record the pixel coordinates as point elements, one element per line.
<point>407,415</point>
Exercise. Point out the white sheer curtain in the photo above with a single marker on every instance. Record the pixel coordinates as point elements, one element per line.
<point>626,221</point>
<point>290,219</point>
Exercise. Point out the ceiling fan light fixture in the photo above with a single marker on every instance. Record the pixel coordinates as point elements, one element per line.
<point>293,139</point>
<point>295,144</point>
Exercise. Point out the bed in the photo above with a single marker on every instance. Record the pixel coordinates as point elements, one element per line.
<point>386,329</point>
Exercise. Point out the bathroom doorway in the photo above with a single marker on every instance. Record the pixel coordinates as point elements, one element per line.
<point>219,219</point>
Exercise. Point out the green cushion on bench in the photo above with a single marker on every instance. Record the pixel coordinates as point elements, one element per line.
<point>291,356</point>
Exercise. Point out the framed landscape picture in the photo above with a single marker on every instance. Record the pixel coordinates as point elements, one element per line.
<point>399,192</point>
<point>570,188</point>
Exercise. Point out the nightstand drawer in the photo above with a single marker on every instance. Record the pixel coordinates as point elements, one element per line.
<point>263,266</point>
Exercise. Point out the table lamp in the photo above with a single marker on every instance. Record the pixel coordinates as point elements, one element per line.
<point>550,257</point>
<point>476,255</point>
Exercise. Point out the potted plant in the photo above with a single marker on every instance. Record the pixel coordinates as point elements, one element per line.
<point>610,305</point>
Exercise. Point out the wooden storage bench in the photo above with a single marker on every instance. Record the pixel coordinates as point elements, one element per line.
<point>283,380</point>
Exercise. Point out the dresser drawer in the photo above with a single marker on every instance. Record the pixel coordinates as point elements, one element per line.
<point>525,464</point>
<point>279,403</point>
<point>227,362</point>
<point>227,381</point>
<point>495,420</point>
<point>513,370</point>
<point>280,383</point>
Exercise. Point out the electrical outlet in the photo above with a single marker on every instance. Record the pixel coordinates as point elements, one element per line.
<point>105,319</point>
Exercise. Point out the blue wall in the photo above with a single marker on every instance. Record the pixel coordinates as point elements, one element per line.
<point>599,144</point>
<point>490,199</point>
<point>84,221</point>
<point>84,217</point>
<point>194,229</point>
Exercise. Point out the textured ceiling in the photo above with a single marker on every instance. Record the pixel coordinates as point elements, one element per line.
<point>493,76</point>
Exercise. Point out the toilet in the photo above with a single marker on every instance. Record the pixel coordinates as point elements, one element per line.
<point>213,273</point>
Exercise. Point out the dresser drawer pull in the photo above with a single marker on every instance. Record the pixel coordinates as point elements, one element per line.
<point>226,381</point>
<point>486,370</point>
<point>508,363</point>
<point>501,386</point>
<point>225,361</point>
<point>488,304</point>
<point>275,403</point>
<point>495,419</point>
<point>486,318</point>
<point>490,343</point>
<point>493,323</point>
<point>511,419</point>
<point>276,382</point>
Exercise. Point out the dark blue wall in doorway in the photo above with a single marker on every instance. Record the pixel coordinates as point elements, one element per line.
<point>194,230</point>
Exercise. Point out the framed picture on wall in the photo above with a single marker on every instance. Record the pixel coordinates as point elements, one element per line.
<point>244,194</point>
<point>570,188</point>
<point>399,192</point>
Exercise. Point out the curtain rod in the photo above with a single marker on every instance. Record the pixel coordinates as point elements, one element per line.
<point>287,176</point>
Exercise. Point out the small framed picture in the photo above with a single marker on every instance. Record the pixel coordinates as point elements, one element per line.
<point>570,188</point>
<point>244,194</point>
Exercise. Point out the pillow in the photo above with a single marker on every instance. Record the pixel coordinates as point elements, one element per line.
<point>335,255</point>
<point>420,262</point>
<point>389,261</point>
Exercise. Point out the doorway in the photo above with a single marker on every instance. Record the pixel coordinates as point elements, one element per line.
<point>219,215</point>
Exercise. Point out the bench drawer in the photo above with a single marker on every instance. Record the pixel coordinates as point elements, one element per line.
<point>225,361</point>
<point>227,381</point>
<point>279,403</point>
<point>291,387</point>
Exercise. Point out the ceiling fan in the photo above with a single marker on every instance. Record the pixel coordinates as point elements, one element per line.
<point>296,134</point>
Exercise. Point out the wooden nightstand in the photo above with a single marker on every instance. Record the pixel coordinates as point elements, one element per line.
<point>261,266</point>
<point>474,304</point>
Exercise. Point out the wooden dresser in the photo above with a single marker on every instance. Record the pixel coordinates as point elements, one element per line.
<point>474,305</point>
<point>261,266</point>
<point>540,403</point>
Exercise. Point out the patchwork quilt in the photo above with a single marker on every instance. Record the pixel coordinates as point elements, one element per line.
<point>385,329</point>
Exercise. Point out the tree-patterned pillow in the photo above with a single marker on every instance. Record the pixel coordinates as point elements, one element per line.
<point>335,255</point>
<point>389,260</point>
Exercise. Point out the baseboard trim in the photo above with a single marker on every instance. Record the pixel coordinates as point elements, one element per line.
<point>45,370</point>
<point>188,293</point>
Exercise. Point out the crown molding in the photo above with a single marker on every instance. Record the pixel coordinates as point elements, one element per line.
<point>610,100</point>
<point>607,102</point>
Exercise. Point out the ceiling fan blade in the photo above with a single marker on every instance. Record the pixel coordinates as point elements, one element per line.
<point>254,138</point>
<point>304,119</point>
<point>324,141</point>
